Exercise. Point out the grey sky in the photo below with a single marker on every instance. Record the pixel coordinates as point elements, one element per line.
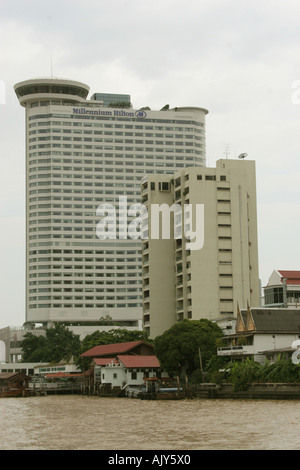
<point>239,59</point>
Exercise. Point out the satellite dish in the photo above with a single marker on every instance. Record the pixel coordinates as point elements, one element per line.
<point>242,155</point>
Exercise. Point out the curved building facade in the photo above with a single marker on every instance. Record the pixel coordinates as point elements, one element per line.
<point>80,154</point>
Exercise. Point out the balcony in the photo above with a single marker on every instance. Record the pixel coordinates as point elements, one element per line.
<point>236,350</point>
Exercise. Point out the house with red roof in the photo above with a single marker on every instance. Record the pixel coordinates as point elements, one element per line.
<point>123,365</point>
<point>140,348</point>
<point>283,289</point>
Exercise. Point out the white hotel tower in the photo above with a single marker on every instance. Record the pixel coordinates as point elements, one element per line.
<point>81,153</point>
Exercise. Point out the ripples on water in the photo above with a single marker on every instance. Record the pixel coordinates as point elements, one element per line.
<point>75,422</point>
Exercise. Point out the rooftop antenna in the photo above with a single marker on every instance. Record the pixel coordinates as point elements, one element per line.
<point>51,64</point>
<point>242,155</point>
<point>227,151</point>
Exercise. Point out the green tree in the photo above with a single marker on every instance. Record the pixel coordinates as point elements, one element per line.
<point>33,347</point>
<point>61,343</point>
<point>99,338</point>
<point>186,343</point>
<point>243,373</point>
<point>283,370</point>
<point>58,344</point>
<point>120,104</point>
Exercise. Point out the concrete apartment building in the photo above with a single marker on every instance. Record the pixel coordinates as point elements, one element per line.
<point>220,271</point>
<point>81,153</point>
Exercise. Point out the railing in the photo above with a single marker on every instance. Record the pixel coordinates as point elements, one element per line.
<point>235,350</point>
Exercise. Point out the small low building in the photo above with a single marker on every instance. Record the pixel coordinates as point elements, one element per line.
<point>125,371</point>
<point>65,367</point>
<point>123,365</point>
<point>262,333</point>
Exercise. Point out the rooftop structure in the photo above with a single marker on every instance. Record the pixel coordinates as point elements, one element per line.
<point>283,289</point>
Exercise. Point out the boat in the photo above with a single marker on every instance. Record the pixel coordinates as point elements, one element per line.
<point>14,384</point>
<point>170,394</point>
<point>155,391</point>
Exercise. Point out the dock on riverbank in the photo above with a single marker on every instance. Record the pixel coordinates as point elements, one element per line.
<point>275,391</point>
<point>268,391</point>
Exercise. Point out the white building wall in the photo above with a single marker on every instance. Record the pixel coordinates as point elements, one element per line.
<point>80,154</point>
<point>114,375</point>
<point>264,342</point>
<point>118,375</point>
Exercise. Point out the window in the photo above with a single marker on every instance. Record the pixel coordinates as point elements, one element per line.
<point>274,295</point>
<point>164,186</point>
<point>152,185</point>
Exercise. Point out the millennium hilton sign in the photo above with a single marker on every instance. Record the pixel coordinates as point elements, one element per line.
<point>115,112</point>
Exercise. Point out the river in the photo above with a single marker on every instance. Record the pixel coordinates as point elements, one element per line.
<point>79,422</point>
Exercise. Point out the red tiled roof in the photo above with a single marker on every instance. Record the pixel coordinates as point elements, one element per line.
<point>110,349</point>
<point>139,361</point>
<point>292,277</point>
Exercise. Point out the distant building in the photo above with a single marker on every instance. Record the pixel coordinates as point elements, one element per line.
<point>283,289</point>
<point>263,333</point>
<point>11,341</point>
<point>210,275</point>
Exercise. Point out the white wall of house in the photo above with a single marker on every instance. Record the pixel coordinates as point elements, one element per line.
<point>264,342</point>
<point>113,374</point>
<point>118,375</point>
<point>261,342</point>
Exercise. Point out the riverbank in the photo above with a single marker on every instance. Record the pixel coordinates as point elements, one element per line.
<point>275,391</point>
<point>266,391</point>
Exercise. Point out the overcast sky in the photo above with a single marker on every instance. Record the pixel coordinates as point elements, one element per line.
<point>239,59</point>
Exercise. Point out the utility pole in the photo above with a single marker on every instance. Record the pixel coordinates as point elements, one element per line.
<point>200,359</point>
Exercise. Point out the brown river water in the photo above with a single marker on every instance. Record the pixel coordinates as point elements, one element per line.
<point>78,422</point>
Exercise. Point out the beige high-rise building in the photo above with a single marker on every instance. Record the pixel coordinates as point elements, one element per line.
<point>81,153</point>
<point>212,273</point>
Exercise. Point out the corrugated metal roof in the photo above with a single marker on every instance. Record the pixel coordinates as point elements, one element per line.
<point>10,375</point>
<point>139,361</point>
<point>275,320</point>
<point>292,277</point>
<point>63,375</point>
<point>290,274</point>
<point>129,361</point>
<point>111,349</point>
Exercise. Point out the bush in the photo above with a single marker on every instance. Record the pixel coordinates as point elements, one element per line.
<point>243,373</point>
